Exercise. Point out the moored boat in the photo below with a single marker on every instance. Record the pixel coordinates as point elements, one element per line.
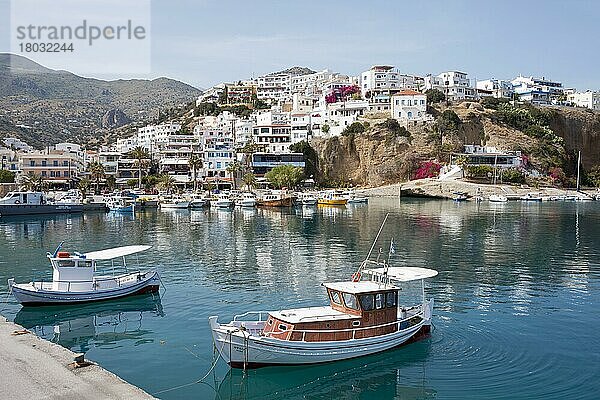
<point>332,198</point>
<point>498,198</point>
<point>198,201</point>
<point>174,202</point>
<point>308,199</point>
<point>363,317</point>
<point>120,204</point>
<point>275,199</point>
<point>28,203</point>
<point>531,196</point>
<point>75,279</point>
<point>222,201</point>
<point>459,196</point>
<point>246,200</point>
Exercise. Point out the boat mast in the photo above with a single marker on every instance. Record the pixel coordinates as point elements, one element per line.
<point>578,166</point>
<point>373,245</point>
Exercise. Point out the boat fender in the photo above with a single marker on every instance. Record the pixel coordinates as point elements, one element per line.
<point>356,277</point>
<point>17,201</point>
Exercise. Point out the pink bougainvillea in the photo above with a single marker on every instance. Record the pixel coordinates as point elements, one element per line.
<point>341,94</point>
<point>428,169</point>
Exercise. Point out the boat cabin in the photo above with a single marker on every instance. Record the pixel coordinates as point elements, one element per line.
<point>356,310</point>
<point>24,198</point>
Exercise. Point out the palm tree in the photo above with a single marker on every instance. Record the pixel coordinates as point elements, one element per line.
<point>195,162</point>
<point>32,182</point>
<point>166,182</point>
<point>249,180</point>
<point>233,169</point>
<point>97,172</point>
<point>111,182</point>
<point>141,155</point>
<point>84,185</point>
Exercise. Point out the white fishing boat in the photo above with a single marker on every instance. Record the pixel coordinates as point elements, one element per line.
<point>75,279</point>
<point>531,196</point>
<point>498,198</point>
<point>459,196</point>
<point>308,199</point>
<point>199,201</point>
<point>363,317</point>
<point>246,200</point>
<point>222,201</point>
<point>174,202</point>
<point>120,204</point>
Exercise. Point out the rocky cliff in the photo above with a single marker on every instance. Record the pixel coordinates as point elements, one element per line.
<point>377,156</point>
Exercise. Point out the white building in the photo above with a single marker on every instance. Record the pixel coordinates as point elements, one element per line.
<point>274,88</point>
<point>9,159</point>
<point>17,144</point>
<point>211,95</point>
<point>455,85</point>
<point>300,127</point>
<point>588,99</point>
<point>125,145</point>
<point>273,131</point>
<point>537,90</point>
<point>491,156</point>
<point>380,82</point>
<point>149,135</point>
<point>497,88</point>
<point>410,107</point>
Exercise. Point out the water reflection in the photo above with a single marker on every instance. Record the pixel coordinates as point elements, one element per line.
<point>395,374</point>
<point>105,324</point>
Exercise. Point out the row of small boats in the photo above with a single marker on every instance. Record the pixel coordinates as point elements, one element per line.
<point>528,197</point>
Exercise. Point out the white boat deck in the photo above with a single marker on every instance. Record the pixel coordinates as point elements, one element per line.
<point>310,314</point>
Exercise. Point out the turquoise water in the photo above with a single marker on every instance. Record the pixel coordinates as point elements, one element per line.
<point>516,313</point>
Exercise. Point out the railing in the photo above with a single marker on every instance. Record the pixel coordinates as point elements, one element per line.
<point>259,313</point>
<point>418,313</point>
<point>119,280</point>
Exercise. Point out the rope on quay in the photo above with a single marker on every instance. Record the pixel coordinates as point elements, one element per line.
<point>5,302</point>
<point>212,367</point>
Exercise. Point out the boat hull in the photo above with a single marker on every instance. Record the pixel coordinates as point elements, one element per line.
<point>28,297</point>
<point>285,202</point>
<point>331,202</point>
<point>25,209</point>
<point>180,205</point>
<point>247,348</point>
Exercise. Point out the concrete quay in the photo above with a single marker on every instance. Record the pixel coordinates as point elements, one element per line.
<point>33,368</point>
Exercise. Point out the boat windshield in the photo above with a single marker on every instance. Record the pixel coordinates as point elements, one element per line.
<point>350,301</point>
<point>335,297</point>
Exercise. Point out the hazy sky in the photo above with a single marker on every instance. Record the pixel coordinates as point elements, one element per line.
<point>205,42</point>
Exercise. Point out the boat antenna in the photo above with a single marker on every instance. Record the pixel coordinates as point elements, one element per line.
<point>57,249</point>
<point>357,274</point>
<point>387,264</point>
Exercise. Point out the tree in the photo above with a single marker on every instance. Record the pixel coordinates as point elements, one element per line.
<point>233,169</point>
<point>141,156</point>
<point>7,176</point>
<point>394,127</point>
<point>132,182</point>
<point>195,163</point>
<point>285,176</point>
<point>32,182</point>
<point>97,172</point>
<point>83,186</point>
<point>166,182</point>
<point>435,96</point>
<point>325,128</point>
<point>353,128</point>
<point>310,157</point>
<point>111,182</point>
<point>249,180</point>
<point>448,122</point>
<point>594,176</point>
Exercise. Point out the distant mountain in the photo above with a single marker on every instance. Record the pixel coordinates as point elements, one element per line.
<point>44,106</point>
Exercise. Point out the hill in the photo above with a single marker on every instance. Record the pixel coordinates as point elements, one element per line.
<point>44,106</point>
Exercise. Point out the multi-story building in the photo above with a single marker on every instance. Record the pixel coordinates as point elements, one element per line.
<point>455,85</point>
<point>486,155</point>
<point>211,95</point>
<point>588,99</point>
<point>9,159</point>
<point>17,144</point>
<point>109,160</point>
<point>380,82</point>
<point>301,127</point>
<point>54,165</point>
<point>497,88</point>
<point>173,154</point>
<point>274,88</point>
<point>410,107</point>
<point>149,136</point>
<point>273,131</point>
<point>264,162</point>
<point>125,145</point>
<point>241,93</point>
<point>537,90</point>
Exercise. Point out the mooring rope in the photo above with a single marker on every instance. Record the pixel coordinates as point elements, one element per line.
<point>5,302</point>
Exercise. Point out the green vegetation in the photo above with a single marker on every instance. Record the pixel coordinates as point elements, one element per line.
<point>479,171</point>
<point>353,129</point>
<point>593,176</point>
<point>195,163</point>
<point>513,175</point>
<point>233,170</point>
<point>7,176</point>
<point>166,182</point>
<point>141,156</point>
<point>132,183</point>
<point>394,127</point>
<point>435,96</point>
<point>310,157</point>
<point>492,102</point>
<point>249,180</point>
<point>448,122</point>
<point>531,120</point>
<point>84,185</point>
<point>286,176</point>
<point>97,173</point>
<point>325,128</point>
<point>33,182</point>
<point>208,108</point>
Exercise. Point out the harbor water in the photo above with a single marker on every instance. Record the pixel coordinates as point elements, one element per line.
<point>516,299</point>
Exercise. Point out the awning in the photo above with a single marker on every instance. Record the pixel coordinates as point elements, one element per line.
<point>403,274</point>
<point>109,254</point>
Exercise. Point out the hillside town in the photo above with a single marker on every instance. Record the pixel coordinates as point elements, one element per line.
<point>252,126</point>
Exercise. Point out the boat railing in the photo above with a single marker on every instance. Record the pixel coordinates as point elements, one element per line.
<point>399,322</point>
<point>258,313</point>
<point>95,283</point>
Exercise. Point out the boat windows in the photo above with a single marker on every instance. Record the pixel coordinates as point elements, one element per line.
<point>350,301</point>
<point>335,297</point>
<point>282,327</point>
<point>66,263</point>
<point>367,302</point>
<point>84,263</point>
<point>355,323</point>
<point>379,301</point>
<point>391,299</point>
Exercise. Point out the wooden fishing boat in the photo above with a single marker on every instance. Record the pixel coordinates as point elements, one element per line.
<point>275,199</point>
<point>364,316</point>
<point>75,279</point>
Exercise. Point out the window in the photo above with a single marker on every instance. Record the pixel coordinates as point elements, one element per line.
<point>335,297</point>
<point>379,301</point>
<point>367,302</point>
<point>355,323</point>
<point>43,163</point>
<point>65,163</point>
<point>350,301</point>
<point>32,163</point>
<point>390,300</point>
<point>55,163</point>
<point>270,321</point>
<point>43,173</point>
<point>282,327</point>
<point>85,263</point>
<point>66,263</point>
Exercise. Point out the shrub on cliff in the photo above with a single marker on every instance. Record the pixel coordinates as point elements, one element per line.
<point>353,129</point>
<point>593,176</point>
<point>513,175</point>
<point>493,102</point>
<point>394,127</point>
<point>479,171</point>
<point>449,121</point>
<point>310,157</point>
<point>435,96</point>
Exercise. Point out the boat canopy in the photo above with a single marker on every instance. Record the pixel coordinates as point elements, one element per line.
<point>109,254</point>
<point>402,274</point>
<point>358,287</point>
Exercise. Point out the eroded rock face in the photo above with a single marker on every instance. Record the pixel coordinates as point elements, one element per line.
<point>580,130</point>
<point>114,118</point>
